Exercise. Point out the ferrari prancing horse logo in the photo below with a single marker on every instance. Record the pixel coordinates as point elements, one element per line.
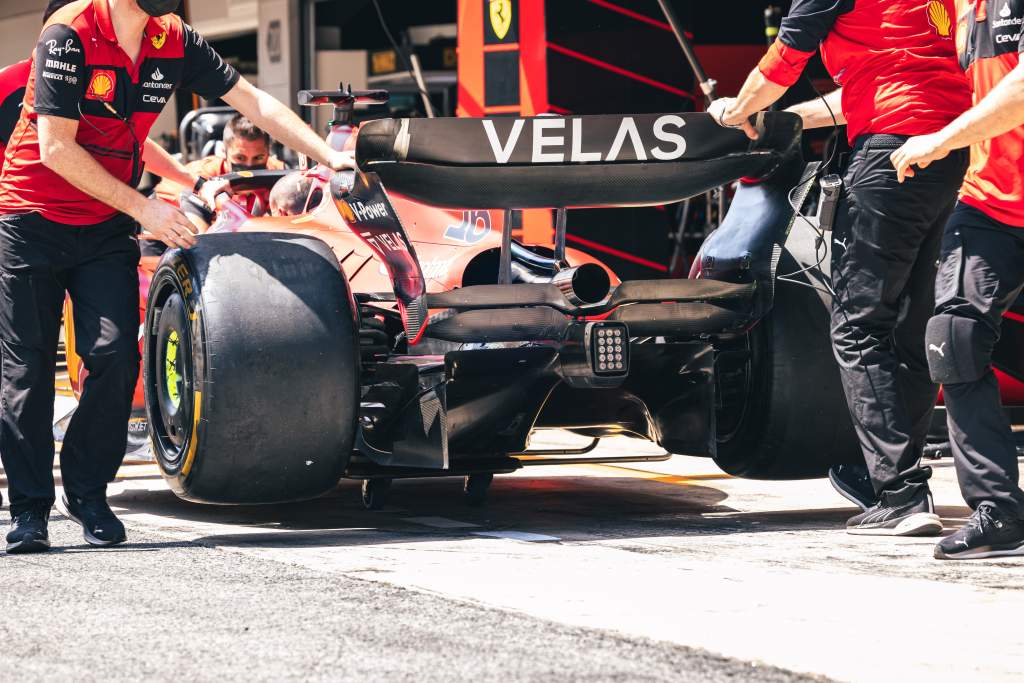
<point>501,17</point>
<point>159,40</point>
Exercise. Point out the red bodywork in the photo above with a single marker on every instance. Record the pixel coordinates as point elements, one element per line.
<point>446,242</point>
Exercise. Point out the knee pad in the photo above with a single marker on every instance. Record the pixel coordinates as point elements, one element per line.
<point>959,349</point>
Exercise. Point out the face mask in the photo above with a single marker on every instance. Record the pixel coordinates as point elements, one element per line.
<point>235,168</point>
<point>158,8</point>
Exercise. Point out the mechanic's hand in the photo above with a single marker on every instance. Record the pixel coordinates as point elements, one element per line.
<point>918,151</point>
<point>211,188</point>
<point>722,111</point>
<point>342,161</point>
<point>167,223</point>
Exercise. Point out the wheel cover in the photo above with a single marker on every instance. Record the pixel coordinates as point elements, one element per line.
<point>172,374</point>
<point>169,377</point>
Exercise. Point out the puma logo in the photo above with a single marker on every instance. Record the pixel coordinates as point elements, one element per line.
<point>938,349</point>
<point>840,243</point>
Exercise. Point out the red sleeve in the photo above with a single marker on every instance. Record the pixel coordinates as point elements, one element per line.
<point>782,64</point>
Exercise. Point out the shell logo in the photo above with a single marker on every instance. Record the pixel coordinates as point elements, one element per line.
<point>346,211</point>
<point>938,17</point>
<point>101,86</point>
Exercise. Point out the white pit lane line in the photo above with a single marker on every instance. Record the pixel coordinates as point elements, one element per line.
<point>518,536</point>
<point>441,522</point>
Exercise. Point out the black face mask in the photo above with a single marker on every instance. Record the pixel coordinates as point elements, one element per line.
<point>235,168</point>
<point>158,8</point>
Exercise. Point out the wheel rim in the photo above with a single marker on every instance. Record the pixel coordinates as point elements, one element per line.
<point>170,381</point>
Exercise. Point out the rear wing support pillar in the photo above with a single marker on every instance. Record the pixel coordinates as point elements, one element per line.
<point>560,261</point>
<point>505,257</point>
<point>505,262</point>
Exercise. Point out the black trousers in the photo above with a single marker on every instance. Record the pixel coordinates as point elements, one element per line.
<point>97,266</point>
<point>980,277</point>
<point>885,245</point>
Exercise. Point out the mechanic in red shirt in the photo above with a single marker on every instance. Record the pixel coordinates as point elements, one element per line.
<point>895,61</point>
<point>13,80</point>
<point>981,274</point>
<point>102,72</point>
<point>246,148</point>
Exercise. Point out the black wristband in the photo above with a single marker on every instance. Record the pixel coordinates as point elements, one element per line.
<point>199,184</point>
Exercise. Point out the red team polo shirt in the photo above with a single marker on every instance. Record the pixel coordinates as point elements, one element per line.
<point>80,72</point>
<point>989,41</point>
<point>895,59</point>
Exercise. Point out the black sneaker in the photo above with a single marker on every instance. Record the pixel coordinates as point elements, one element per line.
<point>28,532</point>
<point>909,513</point>
<point>853,482</point>
<point>989,532</point>
<point>100,525</point>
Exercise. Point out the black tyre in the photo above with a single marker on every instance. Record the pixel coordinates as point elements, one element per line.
<point>782,413</point>
<point>251,369</point>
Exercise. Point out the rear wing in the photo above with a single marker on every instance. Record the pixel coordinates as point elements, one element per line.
<point>553,161</point>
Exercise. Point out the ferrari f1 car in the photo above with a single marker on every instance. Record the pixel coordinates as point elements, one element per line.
<point>455,247</point>
<point>267,378</point>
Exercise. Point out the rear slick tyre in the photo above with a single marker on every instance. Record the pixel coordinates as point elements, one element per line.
<point>783,413</point>
<point>251,369</point>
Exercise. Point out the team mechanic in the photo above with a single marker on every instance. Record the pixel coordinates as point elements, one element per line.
<point>981,275</point>
<point>13,81</point>
<point>102,72</point>
<point>895,61</point>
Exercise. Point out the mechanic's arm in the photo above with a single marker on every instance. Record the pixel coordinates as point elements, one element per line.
<point>821,112</point>
<point>802,31</point>
<point>60,153</point>
<point>999,112</point>
<point>207,74</point>
<point>284,125</point>
<point>162,163</point>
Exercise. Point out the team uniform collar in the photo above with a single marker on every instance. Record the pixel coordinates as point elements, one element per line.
<point>154,27</point>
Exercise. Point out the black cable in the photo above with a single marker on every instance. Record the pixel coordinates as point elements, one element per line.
<point>818,231</point>
<point>398,50</point>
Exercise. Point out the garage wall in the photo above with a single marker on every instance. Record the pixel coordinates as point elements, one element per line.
<point>222,18</point>
<point>20,23</point>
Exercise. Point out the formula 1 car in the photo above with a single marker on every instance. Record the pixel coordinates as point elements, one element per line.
<point>456,247</point>
<point>268,376</point>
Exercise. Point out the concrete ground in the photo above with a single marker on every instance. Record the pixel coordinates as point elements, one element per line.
<point>667,571</point>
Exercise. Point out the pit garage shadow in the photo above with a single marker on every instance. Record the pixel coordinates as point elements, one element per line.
<point>567,508</point>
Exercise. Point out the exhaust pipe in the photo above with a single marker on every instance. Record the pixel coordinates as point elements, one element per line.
<point>583,285</point>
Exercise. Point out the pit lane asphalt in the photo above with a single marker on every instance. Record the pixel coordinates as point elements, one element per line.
<point>634,572</point>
